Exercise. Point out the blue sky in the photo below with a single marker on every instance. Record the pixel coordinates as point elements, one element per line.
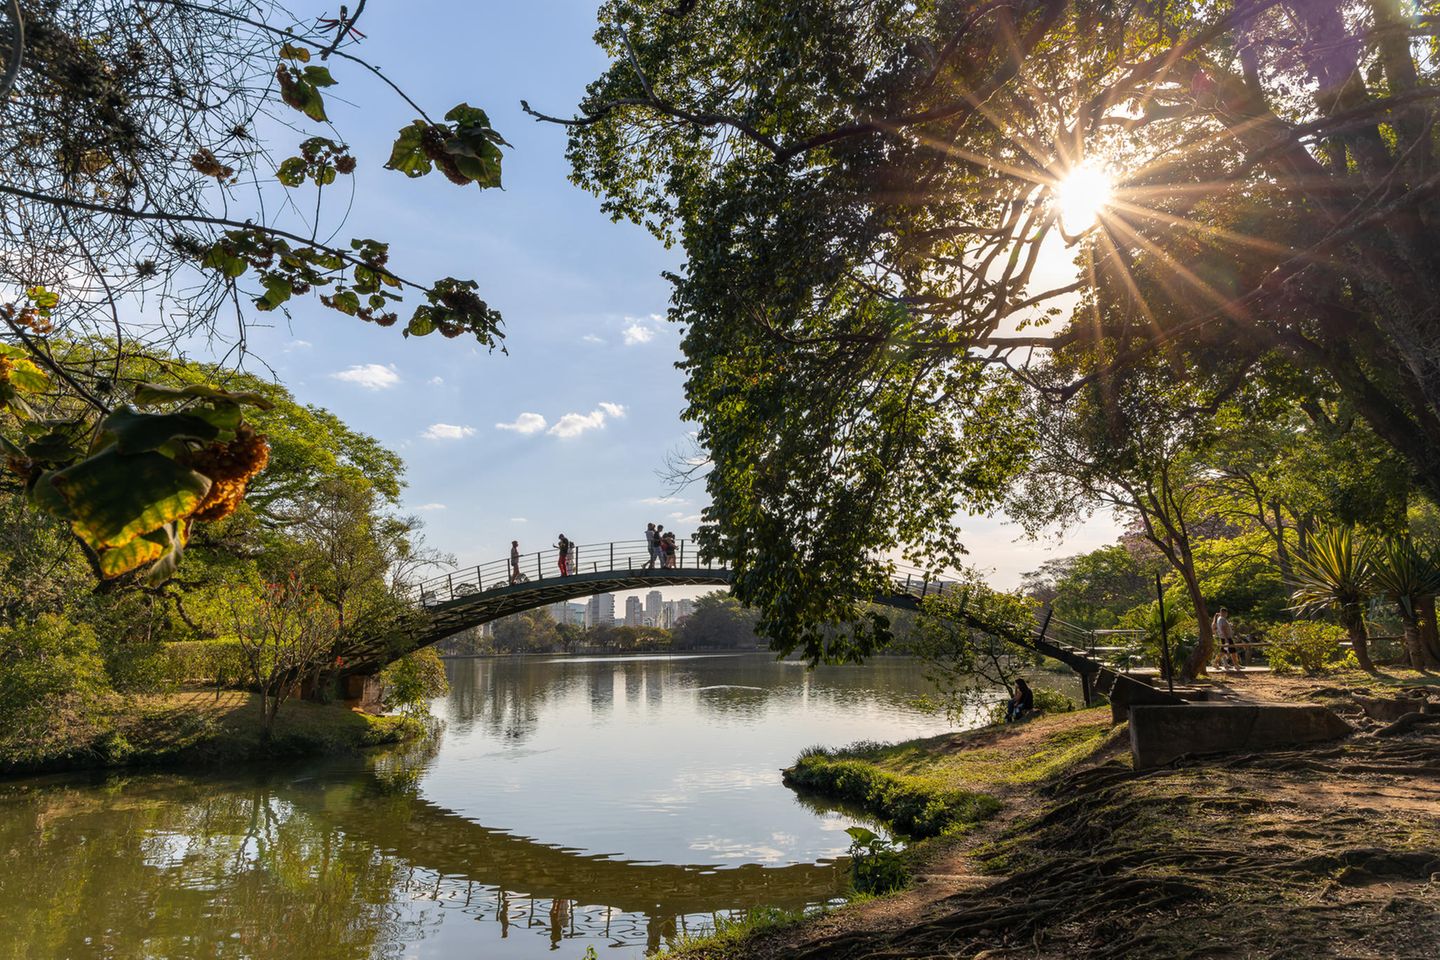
<point>568,432</point>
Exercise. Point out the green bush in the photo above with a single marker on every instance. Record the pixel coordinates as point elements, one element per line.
<point>53,687</point>
<point>914,806</point>
<point>877,867</point>
<point>411,682</point>
<point>1307,646</point>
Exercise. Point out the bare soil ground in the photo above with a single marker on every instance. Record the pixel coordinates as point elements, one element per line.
<point>1319,852</point>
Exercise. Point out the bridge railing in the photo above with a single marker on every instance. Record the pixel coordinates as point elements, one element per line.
<point>619,556</point>
<point>610,557</point>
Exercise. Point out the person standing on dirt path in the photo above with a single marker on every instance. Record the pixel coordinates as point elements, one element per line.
<point>1224,631</point>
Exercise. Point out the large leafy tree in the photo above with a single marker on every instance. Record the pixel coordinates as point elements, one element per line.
<point>164,164</point>
<point>864,191</point>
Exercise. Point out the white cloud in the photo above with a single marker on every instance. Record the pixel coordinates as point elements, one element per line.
<point>294,345</point>
<point>431,506</point>
<point>518,520</point>
<point>447,431</point>
<point>637,333</point>
<point>591,338</point>
<point>574,424</point>
<point>371,376</point>
<point>662,501</point>
<point>525,423</point>
<point>437,381</point>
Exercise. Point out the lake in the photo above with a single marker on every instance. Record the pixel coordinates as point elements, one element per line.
<point>613,803</point>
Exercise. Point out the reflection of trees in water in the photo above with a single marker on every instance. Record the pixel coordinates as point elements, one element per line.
<point>175,864</point>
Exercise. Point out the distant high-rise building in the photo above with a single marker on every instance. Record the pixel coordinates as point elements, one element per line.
<point>634,612</point>
<point>602,611</point>
<point>573,613</point>
<point>653,603</point>
<point>667,614</point>
<point>683,609</point>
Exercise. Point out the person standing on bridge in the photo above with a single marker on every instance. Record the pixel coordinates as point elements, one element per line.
<point>652,541</point>
<point>564,547</point>
<point>667,547</point>
<point>514,562</point>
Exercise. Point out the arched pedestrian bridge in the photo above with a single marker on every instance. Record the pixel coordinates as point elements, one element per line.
<point>472,596</point>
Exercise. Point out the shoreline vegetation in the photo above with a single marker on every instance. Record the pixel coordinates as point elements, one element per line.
<point>196,726</point>
<point>1042,837</point>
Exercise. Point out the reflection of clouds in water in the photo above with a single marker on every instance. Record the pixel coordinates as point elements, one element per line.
<point>711,781</point>
<point>720,848</point>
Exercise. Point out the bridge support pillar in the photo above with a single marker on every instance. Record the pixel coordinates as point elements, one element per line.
<point>362,692</point>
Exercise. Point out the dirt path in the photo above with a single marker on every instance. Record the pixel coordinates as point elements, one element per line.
<point>1331,851</point>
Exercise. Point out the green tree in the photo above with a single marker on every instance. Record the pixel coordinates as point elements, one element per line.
<point>285,632</point>
<point>126,134</point>
<point>1093,589</point>
<point>718,620</point>
<point>863,193</point>
<point>533,631</point>
<point>967,649</point>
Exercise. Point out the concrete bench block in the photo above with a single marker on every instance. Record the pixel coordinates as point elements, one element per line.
<point>1162,733</point>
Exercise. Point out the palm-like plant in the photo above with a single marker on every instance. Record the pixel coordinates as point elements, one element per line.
<point>1408,578</point>
<point>1337,573</point>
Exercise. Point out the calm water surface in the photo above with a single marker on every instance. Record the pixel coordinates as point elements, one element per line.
<point>613,803</point>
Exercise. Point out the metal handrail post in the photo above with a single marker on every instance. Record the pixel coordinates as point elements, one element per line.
<point>538,574</point>
<point>612,554</point>
<point>682,553</point>
<point>450,582</point>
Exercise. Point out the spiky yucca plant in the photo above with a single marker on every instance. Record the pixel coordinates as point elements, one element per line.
<point>1407,577</point>
<point>1337,572</point>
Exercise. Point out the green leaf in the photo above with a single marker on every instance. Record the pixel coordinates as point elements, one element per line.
<point>319,76</point>
<point>408,153</point>
<point>421,324</point>
<point>26,376</point>
<point>141,432</point>
<point>861,835</point>
<point>278,289</point>
<point>113,498</point>
<point>44,300</point>
<point>299,90</point>
<point>146,548</point>
<point>53,447</point>
<point>164,568</point>
<point>220,258</point>
<point>291,172</point>
<point>150,394</point>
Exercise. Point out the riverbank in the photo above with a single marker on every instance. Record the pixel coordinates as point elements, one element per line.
<point>198,727</point>
<point>1321,851</point>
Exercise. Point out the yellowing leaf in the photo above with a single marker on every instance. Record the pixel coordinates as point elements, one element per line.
<point>112,498</point>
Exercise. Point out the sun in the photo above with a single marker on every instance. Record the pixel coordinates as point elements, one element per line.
<point>1083,195</point>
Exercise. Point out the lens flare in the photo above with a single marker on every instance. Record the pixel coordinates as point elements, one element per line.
<point>1082,196</point>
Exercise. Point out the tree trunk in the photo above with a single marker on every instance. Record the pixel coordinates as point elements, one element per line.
<point>1414,645</point>
<point>1199,657</point>
<point>1354,620</point>
<point>1429,637</point>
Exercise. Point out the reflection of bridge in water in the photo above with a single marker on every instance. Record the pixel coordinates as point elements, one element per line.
<point>461,852</point>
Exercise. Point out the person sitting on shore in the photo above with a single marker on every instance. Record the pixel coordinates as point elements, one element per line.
<point>1022,702</point>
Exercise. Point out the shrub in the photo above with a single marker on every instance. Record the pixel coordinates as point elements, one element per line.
<point>1307,645</point>
<point>53,688</point>
<point>877,867</point>
<point>414,680</point>
<point>915,806</point>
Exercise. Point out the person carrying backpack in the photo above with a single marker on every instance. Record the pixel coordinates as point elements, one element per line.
<point>564,560</point>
